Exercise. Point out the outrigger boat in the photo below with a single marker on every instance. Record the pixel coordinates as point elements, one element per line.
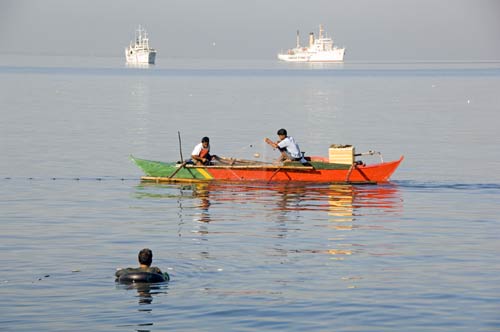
<point>340,167</point>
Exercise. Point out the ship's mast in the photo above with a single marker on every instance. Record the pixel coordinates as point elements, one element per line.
<point>298,39</point>
<point>145,40</point>
<point>138,35</point>
<point>321,31</point>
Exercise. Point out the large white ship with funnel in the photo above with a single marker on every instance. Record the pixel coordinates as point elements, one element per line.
<point>320,49</point>
<point>139,52</point>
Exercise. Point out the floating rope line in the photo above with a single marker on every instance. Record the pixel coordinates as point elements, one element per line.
<point>72,178</point>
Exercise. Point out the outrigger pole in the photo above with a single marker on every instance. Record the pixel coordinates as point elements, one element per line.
<point>183,162</point>
<point>180,145</point>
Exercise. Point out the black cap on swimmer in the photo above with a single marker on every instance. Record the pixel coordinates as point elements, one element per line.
<point>205,139</point>
<point>282,132</point>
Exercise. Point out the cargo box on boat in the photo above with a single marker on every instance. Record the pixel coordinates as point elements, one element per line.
<point>341,154</point>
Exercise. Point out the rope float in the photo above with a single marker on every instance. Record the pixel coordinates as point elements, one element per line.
<point>73,179</point>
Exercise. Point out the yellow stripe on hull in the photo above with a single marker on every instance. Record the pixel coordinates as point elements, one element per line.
<point>205,174</point>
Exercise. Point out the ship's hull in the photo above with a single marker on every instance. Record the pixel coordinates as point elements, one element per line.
<point>316,171</point>
<point>336,55</point>
<point>140,56</point>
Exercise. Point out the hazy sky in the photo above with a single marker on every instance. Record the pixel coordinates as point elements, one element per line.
<point>371,30</point>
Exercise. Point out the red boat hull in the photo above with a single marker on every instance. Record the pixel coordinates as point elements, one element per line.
<point>318,171</point>
<point>371,173</point>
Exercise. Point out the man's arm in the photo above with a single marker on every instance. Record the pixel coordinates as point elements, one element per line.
<point>120,272</point>
<point>197,158</point>
<point>271,143</point>
<point>156,269</point>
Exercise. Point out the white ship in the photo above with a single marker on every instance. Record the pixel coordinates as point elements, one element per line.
<point>320,49</point>
<point>139,52</point>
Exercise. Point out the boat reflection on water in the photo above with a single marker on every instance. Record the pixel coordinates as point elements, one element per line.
<point>341,203</point>
<point>346,201</point>
<point>201,191</point>
<point>352,207</point>
<point>340,200</point>
<point>283,209</point>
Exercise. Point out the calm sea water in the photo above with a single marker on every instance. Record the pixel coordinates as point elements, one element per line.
<point>417,254</point>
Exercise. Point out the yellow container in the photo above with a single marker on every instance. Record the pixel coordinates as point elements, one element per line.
<point>341,154</point>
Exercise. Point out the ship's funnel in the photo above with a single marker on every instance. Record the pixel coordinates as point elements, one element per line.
<point>311,39</point>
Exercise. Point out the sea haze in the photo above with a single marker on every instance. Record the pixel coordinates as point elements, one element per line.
<point>418,253</point>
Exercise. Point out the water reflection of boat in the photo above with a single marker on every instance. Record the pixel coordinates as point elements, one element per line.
<point>202,193</point>
<point>285,208</point>
<point>346,201</point>
<point>340,202</point>
<point>337,200</point>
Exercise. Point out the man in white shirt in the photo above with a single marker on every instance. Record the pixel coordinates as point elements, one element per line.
<point>201,152</point>
<point>290,150</point>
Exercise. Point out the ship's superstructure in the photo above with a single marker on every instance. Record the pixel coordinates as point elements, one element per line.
<point>139,52</point>
<point>320,49</point>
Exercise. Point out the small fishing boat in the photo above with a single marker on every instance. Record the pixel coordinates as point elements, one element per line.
<point>340,166</point>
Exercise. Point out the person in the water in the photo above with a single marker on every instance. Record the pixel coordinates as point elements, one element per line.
<point>145,260</point>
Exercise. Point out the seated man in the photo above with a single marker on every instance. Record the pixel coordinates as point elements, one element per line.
<point>290,150</point>
<point>201,153</point>
<point>145,259</point>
